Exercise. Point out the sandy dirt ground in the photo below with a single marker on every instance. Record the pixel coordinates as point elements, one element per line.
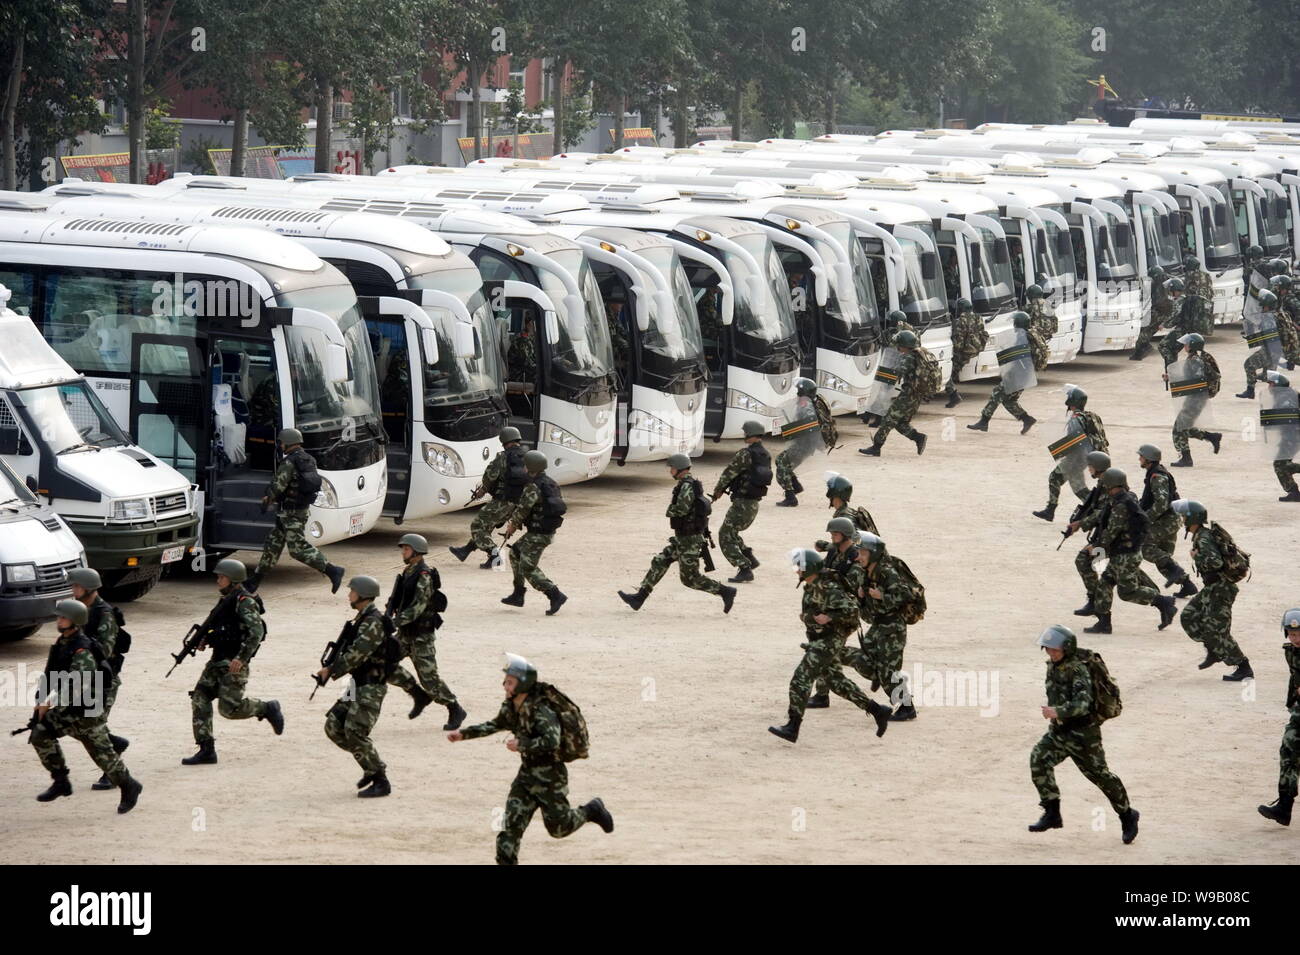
<point>679,696</point>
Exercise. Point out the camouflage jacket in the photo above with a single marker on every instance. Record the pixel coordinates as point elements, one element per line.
<point>968,336</point>
<point>1094,508</point>
<point>1293,680</point>
<point>521,359</point>
<point>530,499</point>
<point>285,478</point>
<point>533,723</point>
<point>366,648</point>
<point>250,622</point>
<point>738,465</point>
<point>76,687</point>
<point>494,474</point>
<point>105,633</point>
<point>1206,557</point>
<point>682,503</point>
<point>1199,283</point>
<point>1117,535</point>
<point>823,594</point>
<point>1160,499</point>
<point>420,600</point>
<point>893,587</point>
<point>1162,306</point>
<point>1291,305</point>
<point>844,567</point>
<point>1040,319</point>
<point>908,375</point>
<point>1069,689</point>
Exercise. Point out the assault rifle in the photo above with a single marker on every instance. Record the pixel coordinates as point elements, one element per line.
<point>199,632</point>
<point>333,650</point>
<point>31,725</point>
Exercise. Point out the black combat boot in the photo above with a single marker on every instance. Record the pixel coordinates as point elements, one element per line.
<point>906,711</point>
<point>1280,811</point>
<point>131,790</point>
<point>1101,626</point>
<point>253,581</point>
<point>207,754</point>
<point>1048,513</point>
<point>421,698</point>
<point>365,780</point>
<point>1184,461</point>
<point>635,600</point>
<point>556,598</point>
<point>1188,588</point>
<point>60,787</point>
<point>120,743</point>
<point>379,786</point>
<point>954,399</point>
<point>335,573</point>
<point>881,714</point>
<point>462,552</point>
<point>516,598</point>
<point>818,701</point>
<point>1209,661</point>
<point>455,717</point>
<point>1050,819</point>
<point>871,452</point>
<point>1168,610</point>
<point>749,556</point>
<point>788,501</point>
<point>728,595</point>
<point>274,715</point>
<point>1128,820</point>
<point>790,731</point>
<point>1140,352</point>
<point>1290,496</point>
<point>982,424</point>
<point>743,576</point>
<point>597,813</point>
<point>1243,672</point>
<point>492,561</point>
<point>920,440</point>
<point>1027,422</point>
<point>798,486</point>
<point>1214,437</point>
<point>102,783</point>
<point>1087,610</point>
<point>1249,392</point>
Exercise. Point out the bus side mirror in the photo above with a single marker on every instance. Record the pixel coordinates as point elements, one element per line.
<point>1001,254</point>
<point>640,295</point>
<point>467,346</point>
<point>929,266</point>
<point>1220,215</point>
<point>1103,239</point>
<point>1122,235</point>
<point>552,328</point>
<point>429,338</point>
<point>32,485</point>
<point>9,440</point>
<point>976,259</point>
<point>1063,244</point>
<point>336,363</point>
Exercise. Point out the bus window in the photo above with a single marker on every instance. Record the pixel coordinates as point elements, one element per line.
<point>20,286</point>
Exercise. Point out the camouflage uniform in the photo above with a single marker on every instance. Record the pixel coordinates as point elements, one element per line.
<point>821,659</point>
<point>1162,536</point>
<point>741,513</point>
<point>1289,312</point>
<point>416,631</point>
<point>880,658</point>
<point>1010,401</point>
<point>1124,570</point>
<point>1193,314</point>
<point>66,718</point>
<point>350,720</point>
<point>1074,734</point>
<point>1207,618</point>
<point>1056,479</point>
<point>1041,320</point>
<point>218,683</point>
<point>496,511</point>
<point>1285,471</point>
<point>264,405</point>
<point>526,553</point>
<point>906,402</point>
<point>1183,436</point>
<point>684,549</point>
<point>542,781</point>
<point>1260,360</point>
<point>1289,755</point>
<point>800,448</point>
<point>842,568</point>
<point>861,519</point>
<point>1199,283</point>
<point>968,339</point>
<point>290,525</point>
<point>1162,309</point>
<point>104,632</point>
<point>521,359</point>
<point>1094,512</point>
<point>618,336</point>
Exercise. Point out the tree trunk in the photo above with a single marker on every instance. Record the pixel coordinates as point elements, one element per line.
<point>324,122</point>
<point>829,116</point>
<point>787,122</point>
<point>620,122</point>
<point>8,126</point>
<point>558,145</point>
<point>476,108</point>
<point>737,113</point>
<point>680,120</point>
<point>239,149</point>
<point>135,97</point>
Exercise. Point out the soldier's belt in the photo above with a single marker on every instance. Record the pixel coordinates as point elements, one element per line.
<point>1260,338</point>
<point>1278,417</point>
<point>1059,449</point>
<point>798,427</point>
<point>889,376</point>
<point>1188,385</point>
<point>1008,355</point>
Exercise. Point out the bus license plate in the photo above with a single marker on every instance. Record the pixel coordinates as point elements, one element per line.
<point>173,554</point>
<point>356,524</point>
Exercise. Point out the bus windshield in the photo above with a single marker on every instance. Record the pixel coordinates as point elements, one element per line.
<point>991,286</point>
<point>1056,259</point>
<point>857,305</point>
<point>676,334</point>
<point>1160,230</point>
<point>1222,250</point>
<point>70,417</point>
<point>454,379</point>
<point>1118,258</point>
<point>763,308</point>
<point>922,298</point>
<point>1273,235</point>
<point>592,354</point>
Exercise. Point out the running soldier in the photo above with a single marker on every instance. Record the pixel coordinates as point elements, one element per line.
<point>1076,714</point>
<point>234,631</point>
<point>890,597</point>
<point>1263,336</point>
<point>1279,418</point>
<point>1198,283</point>
<point>1017,365</point>
<point>104,627</point>
<point>1084,432</point>
<point>916,381</point>
<point>1288,315</point>
<point>1289,755</point>
<point>812,429</point>
<point>1088,517</point>
<point>1159,491</point>
<point>747,478</point>
<point>688,514</point>
<point>1192,313</point>
<point>74,690</point>
<point>1162,309</point>
<point>1207,618</point>
<point>969,338</point>
<point>547,731</point>
<point>839,491</point>
<point>414,608</point>
<point>829,615</point>
<point>840,565</point>
<point>540,510</point>
<point>1193,381</point>
<point>293,489</point>
<point>504,479</point>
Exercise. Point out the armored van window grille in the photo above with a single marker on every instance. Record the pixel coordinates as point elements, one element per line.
<point>7,418</point>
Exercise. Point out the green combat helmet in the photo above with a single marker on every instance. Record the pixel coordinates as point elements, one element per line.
<point>1075,397</point>
<point>74,610</point>
<point>1255,252</point>
<point>1113,477</point>
<point>1175,284</point>
<point>233,569</point>
<point>679,462</point>
<point>1193,341</point>
<point>837,485</point>
<point>896,317</point>
<point>367,588</point>
<point>87,577</point>
<point>805,387</point>
<point>534,462</point>
<point>1150,452</point>
<point>870,542</point>
<point>1098,460</point>
<point>1191,263</point>
<point>842,525</point>
<point>906,339</point>
<point>1278,266</point>
<point>521,670</point>
<point>1020,319</point>
<point>1035,291</point>
<point>1267,300</point>
<point>510,436</point>
<point>1155,272</point>
<point>1192,512</point>
<point>964,306</point>
<point>1282,282</point>
<point>752,429</point>
<point>1291,620</point>
<point>416,542</point>
<point>806,561</point>
<point>288,437</point>
<point>1056,637</point>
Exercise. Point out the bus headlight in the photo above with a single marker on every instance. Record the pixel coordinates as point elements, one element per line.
<point>554,434</point>
<point>443,459</point>
<point>640,421</point>
<point>327,496</point>
<point>130,509</point>
<point>832,382</point>
<point>738,399</point>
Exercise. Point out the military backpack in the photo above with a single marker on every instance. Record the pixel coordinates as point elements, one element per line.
<point>1091,422</point>
<point>574,741</point>
<point>1106,704</point>
<point>1236,562</point>
<point>913,608</point>
<point>929,376</point>
<point>1039,349</point>
<point>826,421</point>
<point>1213,376</point>
<point>863,520</point>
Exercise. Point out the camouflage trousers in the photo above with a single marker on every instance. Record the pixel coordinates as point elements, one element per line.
<point>1084,747</point>
<point>1148,332</point>
<point>218,683</point>
<point>525,554</point>
<point>686,552</point>
<point>1159,547</point>
<point>821,663</point>
<point>1285,470</point>
<point>90,731</point>
<point>1056,480</point>
<point>1257,361</point>
<point>1289,755</point>
<point>1124,573</point>
<point>880,658</point>
<point>489,517</point>
<point>789,459</point>
<point>1207,619</point>
<point>1010,401</point>
<point>1083,563</point>
<point>740,515</point>
<point>290,528</point>
<point>420,648</point>
<point>959,361</point>
<point>537,787</point>
<point>1182,436</point>
<point>350,720</point>
<point>822,686</point>
<point>898,418</point>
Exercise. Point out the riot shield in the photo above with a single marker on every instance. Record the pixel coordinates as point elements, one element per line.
<point>803,428</point>
<point>1016,363</point>
<point>1260,332</point>
<point>1279,421</point>
<point>1250,308</point>
<point>1190,389</point>
<point>887,383</point>
<point>1070,452</point>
